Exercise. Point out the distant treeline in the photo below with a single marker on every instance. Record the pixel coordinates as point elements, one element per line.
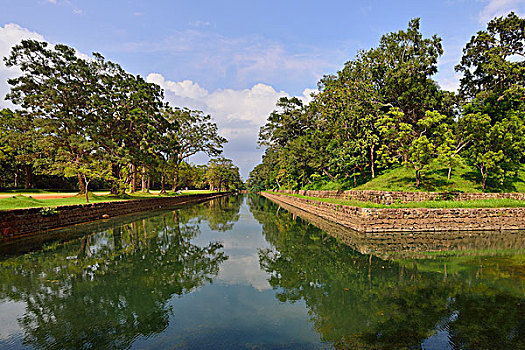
<point>383,110</point>
<point>80,120</point>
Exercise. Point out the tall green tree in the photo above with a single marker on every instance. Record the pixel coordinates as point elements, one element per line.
<point>55,91</point>
<point>129,123</point>
<point>493,88</point>
<point>196,133</point>
<point>223,174</point>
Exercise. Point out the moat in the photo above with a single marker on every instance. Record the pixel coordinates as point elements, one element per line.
<point>242,272</point>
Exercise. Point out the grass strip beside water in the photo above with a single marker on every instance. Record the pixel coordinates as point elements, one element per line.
<point>21,202</point>
<point>484,203</point>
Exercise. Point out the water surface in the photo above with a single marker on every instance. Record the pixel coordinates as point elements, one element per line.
<point>242,272</point>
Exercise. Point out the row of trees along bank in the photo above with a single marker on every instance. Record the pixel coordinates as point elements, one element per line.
<point>90,119</point>
<point>383,109</point>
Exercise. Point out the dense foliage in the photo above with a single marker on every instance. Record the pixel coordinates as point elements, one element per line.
<point>384,110</point>
<point>89,119</point>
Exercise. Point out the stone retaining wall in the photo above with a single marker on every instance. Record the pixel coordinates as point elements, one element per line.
<point>21,222</point>
<point>389,197</point>
<point>388,245</point>
<point>410,219</point>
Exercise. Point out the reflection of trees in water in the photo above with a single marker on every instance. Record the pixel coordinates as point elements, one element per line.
<point>221,213</point>
<point>104,290</point>
<point>359,301</point>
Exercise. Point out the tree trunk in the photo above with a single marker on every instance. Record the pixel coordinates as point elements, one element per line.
<point>133,178</point>
<point>81,184</point>
<point>328,174</point>
<point>175,178</point>
<point>372,167</point>
<point>483,178</point>
<point>149,183</point>
<point>449,172</point>
<point>16,177</point>
<point>162,183</point>
<point>143,185</point>
<point>86,190</point>
<point>28,172</point>
<point>418,178</point>
<point>115,173</point>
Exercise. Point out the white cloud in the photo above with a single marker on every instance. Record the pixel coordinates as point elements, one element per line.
<point>450,84</point>
<point>238,113</point>
<point>10,35</point>
<point>201,24</point>
<point>498,8</point>
<point>244,270</point>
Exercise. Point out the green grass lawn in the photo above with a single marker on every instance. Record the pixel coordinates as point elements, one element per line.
<point>18,201</point>
<point>486,203</point>
<point>463,179</point>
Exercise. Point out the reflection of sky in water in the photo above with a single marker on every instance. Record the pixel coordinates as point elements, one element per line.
<point>218,316</point>
<point>10,332</point>
<point>241,245</point>
<point>238,308</point>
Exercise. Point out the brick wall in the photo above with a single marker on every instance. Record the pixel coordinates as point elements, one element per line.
<point>410,219</point>
<point>389,197</point>
<point>20,222</point>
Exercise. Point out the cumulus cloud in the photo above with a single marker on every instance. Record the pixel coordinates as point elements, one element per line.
<point>10,35</point>
<point>450,84</point>
<point>498,8</point>
<point>238,113</point>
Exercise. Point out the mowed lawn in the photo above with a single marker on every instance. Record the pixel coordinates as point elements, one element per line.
<point>484,203</point>
<point>41,198</point>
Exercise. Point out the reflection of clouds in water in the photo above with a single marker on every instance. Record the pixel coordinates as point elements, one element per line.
<point>10,312</point>
<point>241,244</point>
<point>245,271</point>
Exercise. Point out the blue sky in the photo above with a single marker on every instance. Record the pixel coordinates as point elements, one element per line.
<point>233,59</point>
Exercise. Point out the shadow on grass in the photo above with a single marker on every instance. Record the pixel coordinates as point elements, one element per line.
<point>492,185</point>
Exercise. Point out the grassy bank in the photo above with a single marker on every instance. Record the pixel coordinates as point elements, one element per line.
<point>20,201</point>
<point>486,203</point>
<point>464,179</point>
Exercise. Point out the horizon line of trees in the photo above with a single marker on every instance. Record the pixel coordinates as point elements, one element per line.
<point>384,110</point>
<point>90,120</point>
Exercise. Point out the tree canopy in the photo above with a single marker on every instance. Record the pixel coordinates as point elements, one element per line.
<point>384,109</point>
<point>87,118</point>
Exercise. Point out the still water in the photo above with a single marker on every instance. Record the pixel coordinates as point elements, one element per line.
<point>243,272</point>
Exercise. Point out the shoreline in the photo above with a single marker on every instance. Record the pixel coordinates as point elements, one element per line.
<point>17,223</point>
<point>409,219</point>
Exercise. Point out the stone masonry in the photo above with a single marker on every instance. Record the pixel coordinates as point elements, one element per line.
<point>389,197</point>
<point>410,219</point>
<point>21,222</point>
